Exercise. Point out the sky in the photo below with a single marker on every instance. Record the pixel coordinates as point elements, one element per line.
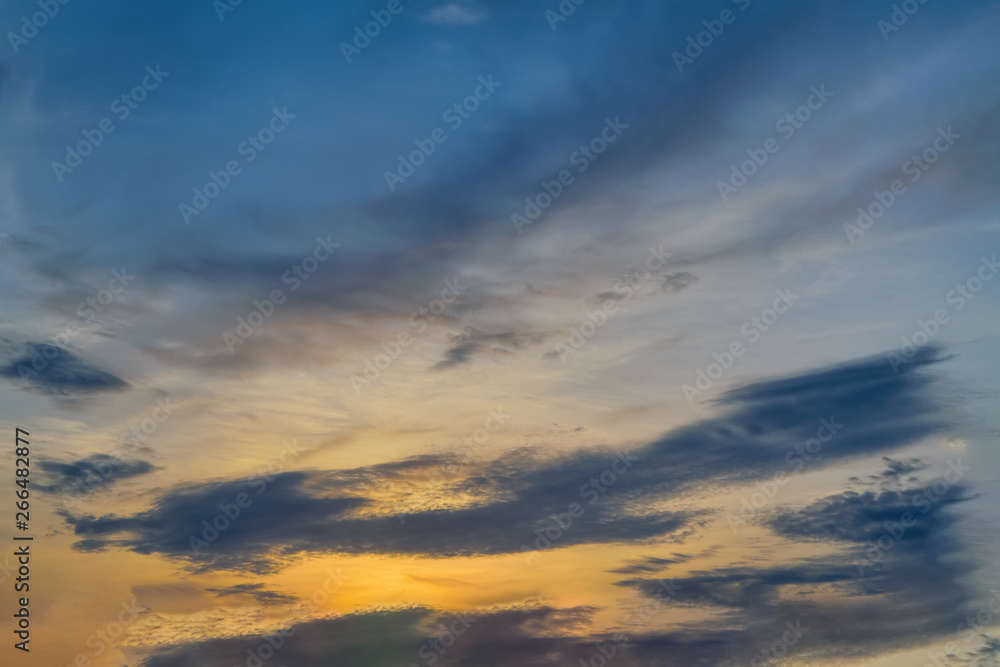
<point>506,334</point>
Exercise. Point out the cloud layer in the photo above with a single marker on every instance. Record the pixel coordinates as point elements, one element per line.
<point>526,502</point>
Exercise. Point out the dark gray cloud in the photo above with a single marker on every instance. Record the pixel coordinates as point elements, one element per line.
<point>515,502</point>
<point>278,516</point>
<point>399,247</point>
<point>55,371</point>
<point>662,281</point>
<point>256,591</point>
<point>987,656</point>
<point>745,587</point>
<point>473,342</point>
<point>517,637</point>
<point>896,472</point>
<point>92,473</point>
<point>294,514</point>
<point>650,564</point>
<point>821,608</point>
<point>859,517</point>
<point>678,281</point>
<point>894,578</point>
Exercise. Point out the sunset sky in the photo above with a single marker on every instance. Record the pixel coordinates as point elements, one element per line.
<point>479,333</point>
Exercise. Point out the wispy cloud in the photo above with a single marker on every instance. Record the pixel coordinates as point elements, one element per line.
<point>457,13</point>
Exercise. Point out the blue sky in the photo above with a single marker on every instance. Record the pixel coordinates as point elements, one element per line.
<point>377,327</point>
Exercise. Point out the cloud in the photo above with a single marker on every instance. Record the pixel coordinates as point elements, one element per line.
<point>678,281</point>
<point>54,371</point>
<point>507,505</point>
<point>862,517</point>
<point>455,14</point>
<point>473,342</point>
<point>905,592</point>
<point>400,246</point>
<point>895,472</point>
<point>91,473</point>
<point>256,591</point>
<point>818,608</point>
<point>649,564</point>
<point>686,128</point>
<point>631,284</point>
<point>523,636</point>
<point>296,514</point>
<point>988,655</point>
<point>282,517</point>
